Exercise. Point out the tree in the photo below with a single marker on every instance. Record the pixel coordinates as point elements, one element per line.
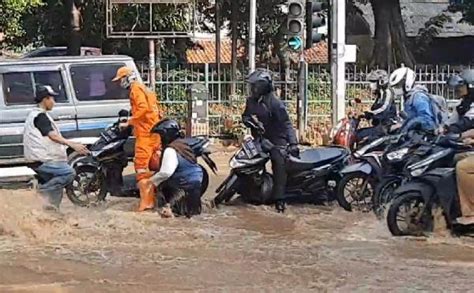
<point>390,46</point>
<point>11,12</point>
<point>75,24</point>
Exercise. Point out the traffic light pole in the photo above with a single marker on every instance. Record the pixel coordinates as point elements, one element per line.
<point>252,34</point>
<point>300,105</point>
<point>338,66</point>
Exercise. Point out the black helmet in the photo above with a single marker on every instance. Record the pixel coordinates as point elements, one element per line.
<point>44,91</point>
<point>168,129</point>
<point>465,78</point>
<point>261,82</point>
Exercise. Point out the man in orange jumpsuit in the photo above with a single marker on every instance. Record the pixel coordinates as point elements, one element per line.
<point>145,114</point>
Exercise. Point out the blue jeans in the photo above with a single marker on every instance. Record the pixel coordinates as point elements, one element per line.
<point>55,176</point>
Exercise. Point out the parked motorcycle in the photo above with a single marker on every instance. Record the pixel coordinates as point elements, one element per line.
<point>101,172</point>
<point>432,185</point>
<point>313,176</point>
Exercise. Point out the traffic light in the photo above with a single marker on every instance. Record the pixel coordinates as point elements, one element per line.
<point>314,20</point>
<point>295,25</point>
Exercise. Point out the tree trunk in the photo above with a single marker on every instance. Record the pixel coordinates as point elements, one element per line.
<point>390,45</point>
<point>74,44</point>
<point>234,19</point>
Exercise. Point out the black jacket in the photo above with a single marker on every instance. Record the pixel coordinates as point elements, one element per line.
<point>464,122</point>
<point>271,112</point>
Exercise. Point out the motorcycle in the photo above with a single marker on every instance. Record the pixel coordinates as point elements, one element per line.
<point>101,172</point>
<point>313,176</point>
<point>417,147</point>
<point>347,132</point>
<point>358,179</point>
<point>432,185</point>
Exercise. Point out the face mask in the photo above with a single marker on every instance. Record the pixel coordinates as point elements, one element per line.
<point>373,86</point>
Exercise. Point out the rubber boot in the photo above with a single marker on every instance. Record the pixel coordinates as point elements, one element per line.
<point>147,195</point>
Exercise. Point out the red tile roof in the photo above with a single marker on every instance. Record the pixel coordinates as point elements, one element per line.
<point>205,52</point>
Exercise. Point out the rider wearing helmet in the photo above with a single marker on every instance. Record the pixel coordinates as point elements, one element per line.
<point>462,118</point>
<point>417,102</point>
<point>271,113</point>
<point>462,121</point>
<point>179,167</point>
<point>384,107</point>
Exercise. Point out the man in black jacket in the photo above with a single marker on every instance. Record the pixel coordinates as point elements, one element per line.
<point>273,118</point>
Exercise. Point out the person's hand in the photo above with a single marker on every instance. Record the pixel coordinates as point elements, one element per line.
<point>123,125</point>
<point>441,130</point>
<point>294,150</point>
<point>468,141</point>
<point>468,134</point>
<point>395,126</point>
<point>79,148</point>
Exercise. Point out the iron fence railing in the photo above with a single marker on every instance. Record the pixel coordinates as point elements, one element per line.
<point>227,94</point>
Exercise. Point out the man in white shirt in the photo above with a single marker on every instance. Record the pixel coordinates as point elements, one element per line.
<point>45,150</point>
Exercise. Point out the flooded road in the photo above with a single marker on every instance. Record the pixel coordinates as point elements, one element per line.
<point>235,248</point>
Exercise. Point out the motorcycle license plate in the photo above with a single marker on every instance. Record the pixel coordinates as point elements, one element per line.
<point>250,148</point>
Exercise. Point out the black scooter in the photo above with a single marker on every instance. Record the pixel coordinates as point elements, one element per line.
<point>432,184</point>
<point>313,176</point>
<point>101,172</point>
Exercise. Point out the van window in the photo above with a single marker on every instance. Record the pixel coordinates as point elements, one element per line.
<point>19,88</point>
<point>93,82</point>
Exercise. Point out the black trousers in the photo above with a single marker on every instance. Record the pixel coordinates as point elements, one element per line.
<point>278,158</point>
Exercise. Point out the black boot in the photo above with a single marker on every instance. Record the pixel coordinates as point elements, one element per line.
<point>280,206</point>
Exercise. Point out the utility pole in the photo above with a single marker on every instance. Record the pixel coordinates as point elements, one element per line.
<point>218,48</point>
<point>152,73</point>
<point>338,66</point>
<point>252,34</point>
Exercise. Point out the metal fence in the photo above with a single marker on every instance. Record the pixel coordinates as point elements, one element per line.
<point>227,95</point>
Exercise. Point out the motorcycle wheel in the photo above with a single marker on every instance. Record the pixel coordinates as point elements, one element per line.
<point>349,193</point>
<point>384,193</point>
<point>258,195</point>
<point>87,188</point>
<point>409,215</point>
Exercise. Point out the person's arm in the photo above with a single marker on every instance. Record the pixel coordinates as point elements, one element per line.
<point>168,167</point>
<point>45,126</point>
<point>387,94</point>
<point>246,116</point>
<point>140,105</point>
<point>279,110</point>
<point>424,114</point>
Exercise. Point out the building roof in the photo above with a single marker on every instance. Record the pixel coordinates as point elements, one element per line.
<point>416,13</point>
<point>204,52</point>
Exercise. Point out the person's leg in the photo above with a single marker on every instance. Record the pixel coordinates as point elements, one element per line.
<point>62,175</point>
<point>193,199</point>
<point>465,178</point>
<point>279,177</point>
<point>144,147</point>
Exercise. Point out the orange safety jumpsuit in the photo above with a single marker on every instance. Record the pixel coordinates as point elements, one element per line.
<point>145,114</point>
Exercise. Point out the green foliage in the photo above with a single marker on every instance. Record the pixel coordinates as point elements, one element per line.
<point>11,12</point>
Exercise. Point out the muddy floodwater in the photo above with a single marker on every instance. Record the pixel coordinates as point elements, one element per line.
<point>235,248</point>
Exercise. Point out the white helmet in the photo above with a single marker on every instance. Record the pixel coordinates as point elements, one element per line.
<point>403,76</point>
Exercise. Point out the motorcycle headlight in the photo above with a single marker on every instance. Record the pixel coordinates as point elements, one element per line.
<point>397,155</point>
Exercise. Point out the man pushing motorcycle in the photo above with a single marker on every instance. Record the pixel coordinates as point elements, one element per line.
<point>271,113</point>
<point>145,114</point>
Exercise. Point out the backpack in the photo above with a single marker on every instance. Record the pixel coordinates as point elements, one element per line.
<point>439,107</point>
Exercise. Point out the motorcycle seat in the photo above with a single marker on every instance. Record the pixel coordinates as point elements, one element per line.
<point>317,157</point>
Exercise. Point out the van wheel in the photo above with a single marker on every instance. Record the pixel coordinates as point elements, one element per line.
<point>88,187</point>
